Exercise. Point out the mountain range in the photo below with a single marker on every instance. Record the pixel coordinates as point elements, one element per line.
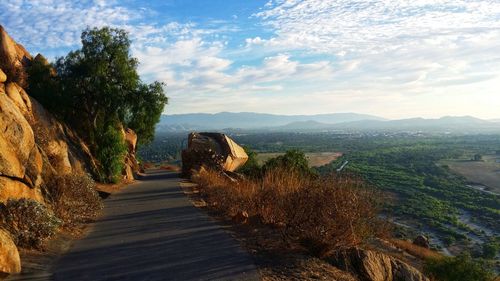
<point>320,122</point>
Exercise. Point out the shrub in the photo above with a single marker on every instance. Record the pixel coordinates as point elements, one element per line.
<point>292,160</point>
<point>322,214</point>
<point>29,222</point>
<point>110,152</point>
<point>460,268</point>
<point>251,168</point>
<point>74,198</point>
<point>15,73</point>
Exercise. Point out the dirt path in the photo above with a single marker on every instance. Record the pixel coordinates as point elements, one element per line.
<point>150,231</point>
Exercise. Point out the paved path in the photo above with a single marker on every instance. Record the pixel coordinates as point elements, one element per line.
<point>150,231</point>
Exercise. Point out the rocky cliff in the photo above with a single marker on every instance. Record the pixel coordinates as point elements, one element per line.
<point>34,145</point>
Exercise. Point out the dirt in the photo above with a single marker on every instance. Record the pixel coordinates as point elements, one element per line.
<point>485,172</point>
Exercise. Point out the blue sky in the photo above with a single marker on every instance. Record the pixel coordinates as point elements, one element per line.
<point>392,58</point>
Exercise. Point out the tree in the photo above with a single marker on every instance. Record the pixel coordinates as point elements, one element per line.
<point>146,111</point>
<point>97,91</point>
<point>293,160</point>
<point>460,268</point>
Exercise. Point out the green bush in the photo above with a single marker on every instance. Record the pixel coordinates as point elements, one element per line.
<point>460,268</point>
<point>292,160</point>
<point>29,222</point>
<point>251,168</point>
<point>110,152</point>
<point>74,199</point>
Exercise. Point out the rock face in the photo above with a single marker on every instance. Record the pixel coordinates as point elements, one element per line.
<point>33,145</point>
<point>214,150</point>
<point>10,263</point>
<point>131,166</point>
<point>422,241</point>
<point>374,266</point>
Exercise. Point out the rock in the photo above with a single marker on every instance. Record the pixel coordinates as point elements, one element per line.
<point>374,266</point>
<point>3,77</point>
<point>214,150</point>
<point>128,173</point>
<point>10,262</point>
<point>241,217</point>
<point>19,97</point>
<point>422,241</point>
<point>16,141</point>
<point>8,49</point>
<point>130,140</point>
<point>10,188</point>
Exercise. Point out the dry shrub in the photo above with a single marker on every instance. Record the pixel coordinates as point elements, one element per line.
<point>29,222</point>
<point>74,198</point>
<point>417,251</point>
<point>15,73</point>
<point>322,214</point>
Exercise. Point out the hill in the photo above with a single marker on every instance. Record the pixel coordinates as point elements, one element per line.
<point>250,120</point>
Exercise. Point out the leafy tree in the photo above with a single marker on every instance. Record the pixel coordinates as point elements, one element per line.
<point>490,249</point>
<point>110,152</point>
<point>293,160</point>
<point>146,111</point>
<point>460,268</point>
<point>44,85</point>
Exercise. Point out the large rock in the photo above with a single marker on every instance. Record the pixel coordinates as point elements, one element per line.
<point>14,189</point>
<point>214,150</point>
<point>374,266</point>
<point>8,49</point>
<point>10,262</point>
<point>422,241</point>
<point>16,141</point>
<point>19,97</point>
<point>130,140</point>
<point>3,77</point>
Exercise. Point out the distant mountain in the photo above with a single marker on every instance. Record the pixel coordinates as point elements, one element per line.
<point>495,120</point>
<point>249,120</point>
<point>444,124</point>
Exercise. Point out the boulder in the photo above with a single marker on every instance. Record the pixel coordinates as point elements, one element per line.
<point>3,76</point>
<point>374,266</point>
<point>8,49</point>
<point>16,141</point>
<point>214,150</point>
<point>130,140</point>
<point>422,241</point>
<point>10,188</point>
<point>19,97</point>
<point>10,262</point>
<point>128,173</point>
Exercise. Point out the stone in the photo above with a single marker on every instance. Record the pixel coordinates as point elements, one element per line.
<point>422,241</point>
<point>130,140</point>
<point>128,173</point>
<point>8,49</point>
<point>19,97</point>
<point>3,76</point>
<point>16,141</point>
<point>14,189</point>
<point>214,150</point>
<point>375,266</point>
<point>241,217</point>
<point>10,262</point>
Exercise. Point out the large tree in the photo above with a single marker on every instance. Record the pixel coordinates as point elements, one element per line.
<point>101,85</point>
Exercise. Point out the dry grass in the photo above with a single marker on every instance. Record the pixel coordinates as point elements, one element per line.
<point>415,250</point>
<point>320,214</point>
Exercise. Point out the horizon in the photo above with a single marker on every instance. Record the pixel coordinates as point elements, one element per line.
<point>331,113</point>
<point>392,59</point>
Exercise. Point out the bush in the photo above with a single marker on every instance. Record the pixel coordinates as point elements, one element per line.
<point>74,199</point>
<point>292,160</point>
<point>460,268</point>
<point>29,222</point>
<point>251,168</point>
<point>110,152</point>
<point>320,214</point>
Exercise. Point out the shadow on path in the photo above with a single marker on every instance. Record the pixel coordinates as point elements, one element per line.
<point>150,231</point>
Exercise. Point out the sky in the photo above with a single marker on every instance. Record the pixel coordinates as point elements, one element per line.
<point>391,58</point>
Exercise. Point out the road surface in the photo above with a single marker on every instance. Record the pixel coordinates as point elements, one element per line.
<point>151,231</point>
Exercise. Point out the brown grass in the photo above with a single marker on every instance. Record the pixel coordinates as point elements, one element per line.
<point>417,251</point>
<point>321,214</point>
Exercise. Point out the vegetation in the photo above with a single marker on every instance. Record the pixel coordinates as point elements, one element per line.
<point>110,151</point>
<point>97,90</point>
<point>29,222</point>
<point>320,214</point>
<point>251,168</point>
<point>460,268</point>
<point>74,199</point>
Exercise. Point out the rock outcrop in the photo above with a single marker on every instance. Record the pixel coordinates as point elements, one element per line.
<point>422,241</point>
<point>213,150</point>
<point>33,145</point>
<point>10,262</point>
<point>131,166</point>
<point>375,266</point>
